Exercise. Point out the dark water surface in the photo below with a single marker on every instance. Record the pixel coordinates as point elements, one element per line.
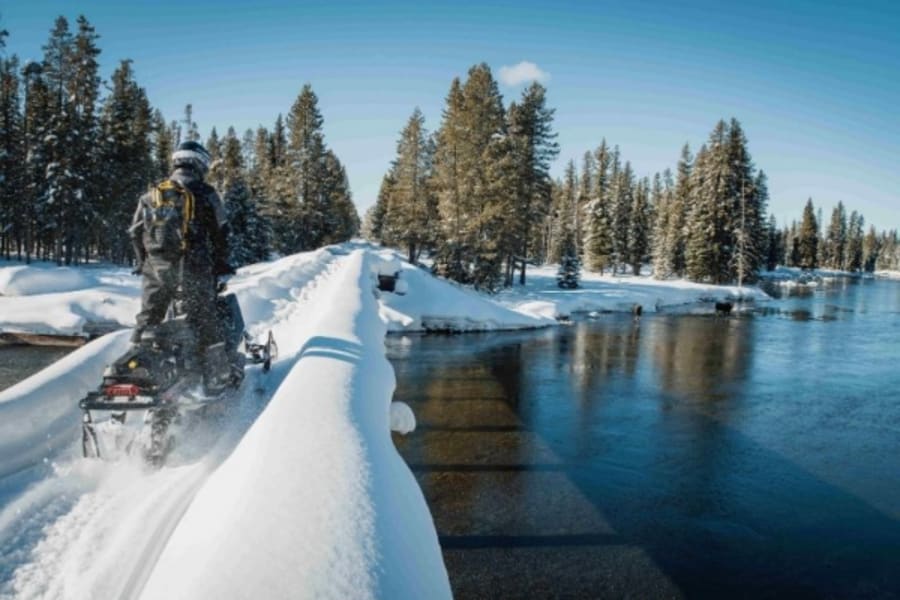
<point>19,362</point>
<point>681,456</point>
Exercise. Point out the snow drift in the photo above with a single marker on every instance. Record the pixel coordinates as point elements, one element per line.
<point>315,502</point>
<point>40,415</point>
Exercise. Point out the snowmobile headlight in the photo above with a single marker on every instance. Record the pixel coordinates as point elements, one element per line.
<point>132,364</point>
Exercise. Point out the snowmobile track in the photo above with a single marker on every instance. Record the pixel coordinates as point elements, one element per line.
<point>105,539</point>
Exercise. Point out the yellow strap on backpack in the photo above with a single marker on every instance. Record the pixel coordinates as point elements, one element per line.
<point>159,199</point>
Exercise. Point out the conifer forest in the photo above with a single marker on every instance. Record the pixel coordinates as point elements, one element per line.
<point>475,195</point>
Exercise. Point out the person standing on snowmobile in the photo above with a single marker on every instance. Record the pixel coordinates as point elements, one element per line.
<point>179,233</point>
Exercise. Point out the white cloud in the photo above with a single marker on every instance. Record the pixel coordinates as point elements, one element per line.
<point>521,73</point>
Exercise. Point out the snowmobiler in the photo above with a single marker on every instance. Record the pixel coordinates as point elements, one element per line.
<point>179,233</point>
<point>185,347</point>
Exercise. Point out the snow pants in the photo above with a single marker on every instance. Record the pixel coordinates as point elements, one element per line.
<point>198,299</point>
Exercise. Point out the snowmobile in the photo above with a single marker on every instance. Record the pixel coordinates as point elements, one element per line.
<point>161,378</point>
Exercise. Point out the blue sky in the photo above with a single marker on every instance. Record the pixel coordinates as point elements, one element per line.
<point>816,85</point>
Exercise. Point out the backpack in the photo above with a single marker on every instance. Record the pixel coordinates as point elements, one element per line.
<point>167,219</point>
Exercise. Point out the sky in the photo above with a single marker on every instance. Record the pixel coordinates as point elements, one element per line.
<point>815,85</point>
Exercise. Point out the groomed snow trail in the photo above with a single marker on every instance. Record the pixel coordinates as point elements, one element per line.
<point>85,529</point>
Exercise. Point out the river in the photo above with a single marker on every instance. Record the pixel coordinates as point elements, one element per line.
<point>676,456</point>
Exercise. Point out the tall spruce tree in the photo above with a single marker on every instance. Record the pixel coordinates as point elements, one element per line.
<point>534,142</point>
<point>13,217</point>
<point>127,126</point>
<point>774,245</point>
<point>808,239</point>
<point>676,232</point>
<point>412,208</point>
<point>599,239</point>
<point>622,202</point>
<point>853,259</point>
<point>448,173</point>
<point>835,240</point>
<point>661,201</point>
<point>474,115</point>
<point>639,227</point>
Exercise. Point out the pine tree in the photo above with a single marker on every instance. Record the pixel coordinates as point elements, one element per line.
<point>622,202</point>
<point>639,227</point>
<point>533,141</point>
<point>376,226</point>
<point>36,125</point>
<point>563,224</point>
<point>569,273</point>
<point>341,221</point>
<point>676,233</point>
<point>474,116</point>
<point>585,195</point>
<point>853,259</point>
<point>808,239</point>
<point>748,209</point>
<point>660,200</point>
<point>412,209</point>
<point>835,241</point>
<point>870,250</point>
<point>448,173</point>
<point>774,245</point>
<point>249,232</point>
<point>13,216</point>
<point>599,241</point>
<point>163,146</point>
<point>189,128</point>
<point>127,126</point>
<point>214,147</point>
<point>61,185</point>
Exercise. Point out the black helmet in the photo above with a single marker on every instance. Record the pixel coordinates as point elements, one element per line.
<point>193,155</point>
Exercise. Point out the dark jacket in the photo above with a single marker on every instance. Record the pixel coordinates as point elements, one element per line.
<point>207,239</point>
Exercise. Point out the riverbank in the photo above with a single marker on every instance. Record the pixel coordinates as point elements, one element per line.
<point>72,304</point>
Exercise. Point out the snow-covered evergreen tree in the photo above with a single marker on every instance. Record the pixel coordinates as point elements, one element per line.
<point>126,156</point>
<point>13,217</point>
<point>639,227</point>
<point>598,238</point>
<point>569,274</point>
<point>622,195</point>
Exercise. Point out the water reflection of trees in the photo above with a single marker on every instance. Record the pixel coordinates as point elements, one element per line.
<point>700,357</point>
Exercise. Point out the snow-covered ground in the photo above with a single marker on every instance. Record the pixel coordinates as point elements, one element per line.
<point>45,299</point>
<point>296,490</point>
<point>541,296</point>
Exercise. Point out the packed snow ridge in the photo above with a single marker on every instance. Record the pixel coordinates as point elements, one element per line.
<point>297,489</point>
<point>299,493</point>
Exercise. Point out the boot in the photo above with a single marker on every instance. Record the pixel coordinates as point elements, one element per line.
<point>216,370</point>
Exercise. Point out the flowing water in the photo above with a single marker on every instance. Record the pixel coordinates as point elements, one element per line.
<point>18,362</point>
<point>756,455</point>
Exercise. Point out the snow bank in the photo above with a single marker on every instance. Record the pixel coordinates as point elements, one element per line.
<point>315,501</point>
<point>541,297</point>
<point>40,415</point>
<point>46,299</point>
<point>42,278</point>
<point>430,303</point>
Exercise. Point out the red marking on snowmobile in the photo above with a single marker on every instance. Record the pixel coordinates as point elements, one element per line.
<point>122,389</point>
